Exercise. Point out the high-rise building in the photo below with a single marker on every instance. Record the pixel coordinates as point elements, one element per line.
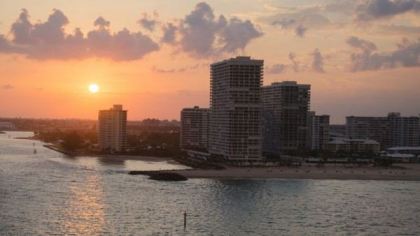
<point>318,131</point>
<point>285,109</point>
<point>235,109</point>
<point>390,131</point>
<point>195,128</point>
<point>112,134</point>
<point>405,131</point>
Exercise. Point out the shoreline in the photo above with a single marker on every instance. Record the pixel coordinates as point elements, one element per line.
<point>112,157</point>
<point>398,172</point>
<point>411,172</point>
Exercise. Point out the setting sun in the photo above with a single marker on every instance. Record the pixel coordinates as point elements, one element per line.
<point>93,88</point>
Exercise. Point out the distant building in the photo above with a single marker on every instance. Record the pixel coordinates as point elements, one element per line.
<point>350,145</point>
<point>195,128</point>
<point>389,131</point>
<point>285,110</point>
<point>112,134</point>
<point>404,154</point>
<point>337,130</point>
<point>318,131</point>
<point>235,109</point>
<point>5,125</point>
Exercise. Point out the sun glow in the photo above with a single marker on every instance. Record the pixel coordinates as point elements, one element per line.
<point>93,88</point>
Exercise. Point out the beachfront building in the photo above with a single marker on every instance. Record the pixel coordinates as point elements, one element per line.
<point>405,131</point>
<point>195,128</point>
<point>285,110</point>
<point>318,131</point>
<point>389,131</point>
<point>350,145</point>
<point>235,109</point>
<point>112,134</point>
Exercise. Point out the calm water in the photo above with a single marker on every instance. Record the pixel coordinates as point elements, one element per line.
<point>48,193</point>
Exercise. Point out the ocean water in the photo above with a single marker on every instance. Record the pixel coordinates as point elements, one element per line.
<point>48,193</point>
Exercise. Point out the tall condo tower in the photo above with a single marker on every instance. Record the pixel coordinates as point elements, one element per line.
<point>285,110</point>
<point>112,133</point>
<point>235,109</point>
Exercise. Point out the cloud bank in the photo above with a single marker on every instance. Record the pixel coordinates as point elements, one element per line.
<point>379,9</point>
<point>367,58</point>
<point>48,40</point>
<point>200,34</point>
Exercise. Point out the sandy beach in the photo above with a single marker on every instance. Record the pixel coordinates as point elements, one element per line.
<point>409,172</point>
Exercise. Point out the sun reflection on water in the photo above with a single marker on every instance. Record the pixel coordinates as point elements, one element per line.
<point>85,209</point>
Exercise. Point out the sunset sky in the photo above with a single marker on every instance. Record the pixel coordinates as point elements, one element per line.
<point>361,57</point>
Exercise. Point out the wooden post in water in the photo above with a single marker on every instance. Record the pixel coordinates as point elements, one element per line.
<point>185,220</point>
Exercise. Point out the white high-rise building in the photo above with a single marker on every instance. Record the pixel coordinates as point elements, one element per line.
<point>235,109</point>
<point>112,133</point>
<point>195,128</point>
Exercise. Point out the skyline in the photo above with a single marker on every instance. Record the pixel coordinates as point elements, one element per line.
<point>359,61</point>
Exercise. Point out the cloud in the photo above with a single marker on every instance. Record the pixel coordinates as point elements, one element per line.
<point>295,63</point>
<point>317,61</point>
<point>361,43</point>
<point>277,69</point>
<point>237,34</point>
<point>379,9</point>
<point>300,31</point>
<point>300,19</point>
<point>148,23</point>
<point>174,70</point>
<point>200,30</point>
<point>101,22</point>
<point>120,46</point>
<point>48,40</point>
<point>169,33</point>
<point>367,58</point>
<point>200,34</point>
<point>7,87</point>
<point>6,46</point>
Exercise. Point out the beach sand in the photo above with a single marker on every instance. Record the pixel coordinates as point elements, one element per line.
<point>409,172</point>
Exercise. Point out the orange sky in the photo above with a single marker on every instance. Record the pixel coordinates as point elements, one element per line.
<point>36,82</point>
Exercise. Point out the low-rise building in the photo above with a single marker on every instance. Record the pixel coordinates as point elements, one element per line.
<point>350,145</point>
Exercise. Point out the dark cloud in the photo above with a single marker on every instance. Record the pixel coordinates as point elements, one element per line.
<point>379,9</point>
<point>101,22</point>
<point>48,40</point>
<point>7,87</point>
<point>317,61</point>
<point>200,29</point>
<point>295,64</point>
<point>277,69</point>
<point>300,31</point>
<point>169,33</point>
<point>148,23</point>
<point>366,58</point>
<point>6,46</point>
<point>365,45</point>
